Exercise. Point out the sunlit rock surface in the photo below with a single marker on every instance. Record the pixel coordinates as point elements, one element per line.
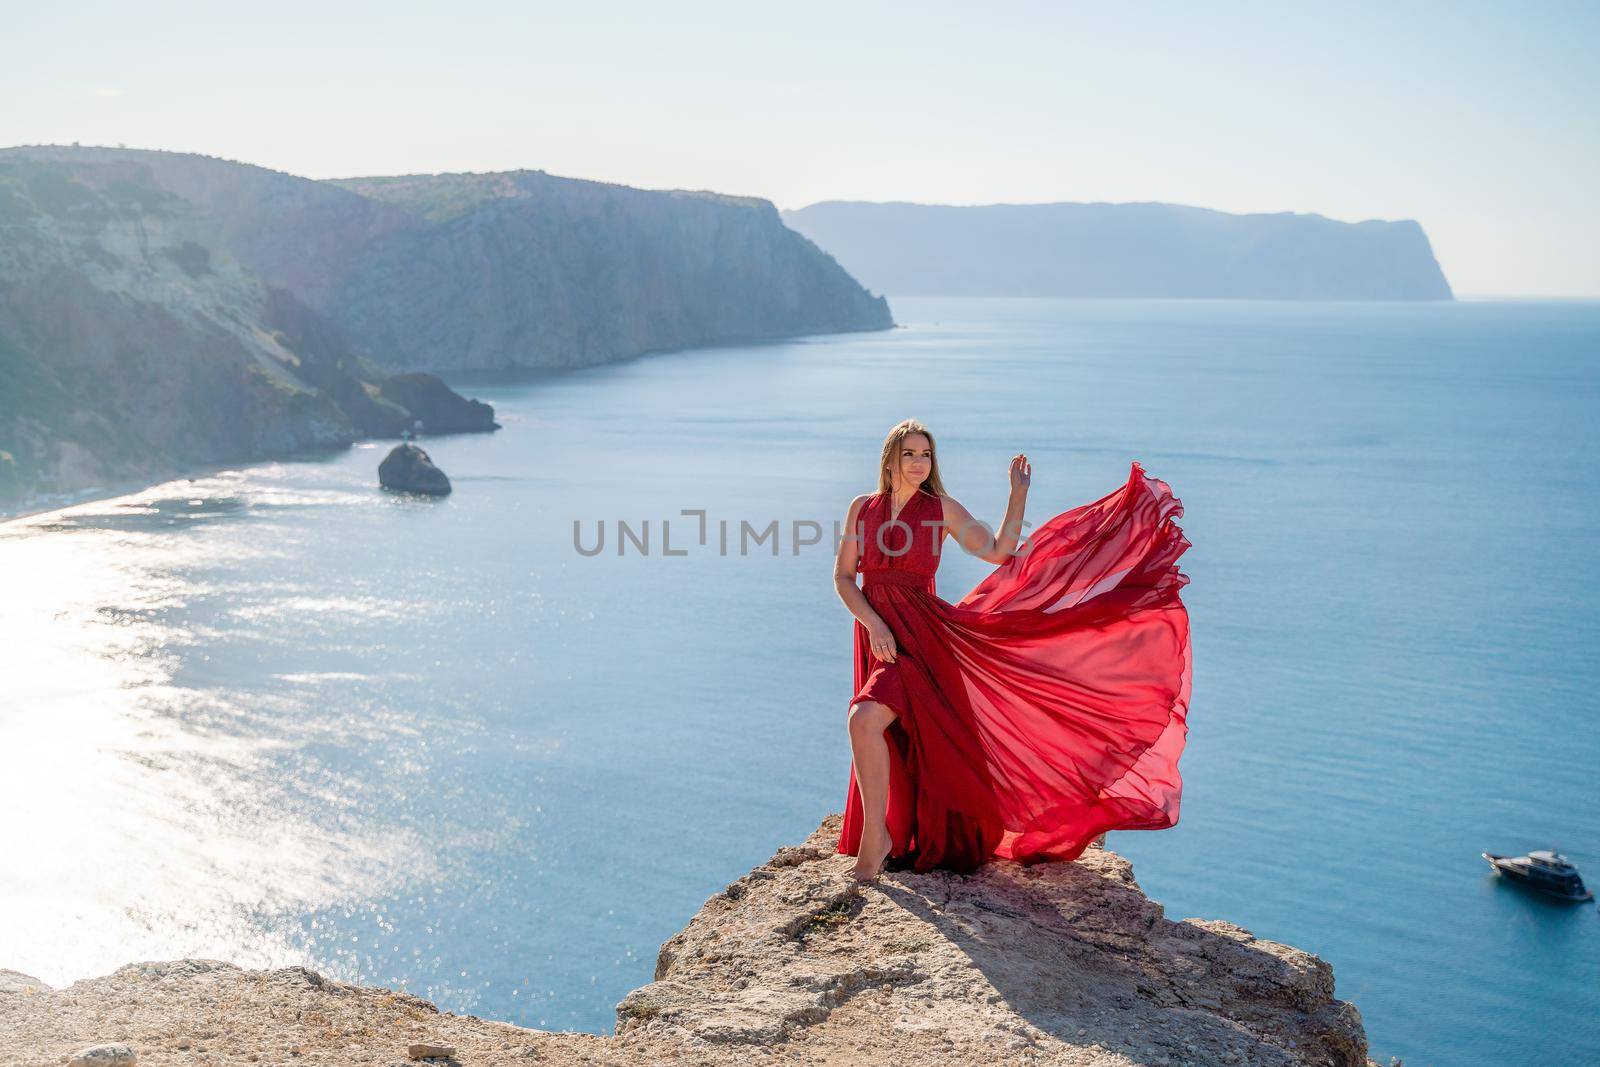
<point>1059,963</point>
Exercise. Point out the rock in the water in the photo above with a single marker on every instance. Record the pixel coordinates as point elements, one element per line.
<point>439,408</point>
<point>408,468</point>
<point>114,1055</point>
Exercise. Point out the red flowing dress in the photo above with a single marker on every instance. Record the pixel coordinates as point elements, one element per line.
<point>1046,706</point>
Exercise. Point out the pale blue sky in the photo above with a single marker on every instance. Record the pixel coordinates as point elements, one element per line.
<point>1482,121</point>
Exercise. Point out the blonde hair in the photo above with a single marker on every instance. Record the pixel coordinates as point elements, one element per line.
<point>891,458</point>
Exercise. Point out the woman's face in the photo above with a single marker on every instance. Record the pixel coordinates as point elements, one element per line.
<point>916,459</point>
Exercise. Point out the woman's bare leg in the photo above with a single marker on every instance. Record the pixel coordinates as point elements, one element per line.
<point>868,720</point>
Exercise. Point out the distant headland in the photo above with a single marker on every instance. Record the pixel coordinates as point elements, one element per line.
<point>1122,250</point>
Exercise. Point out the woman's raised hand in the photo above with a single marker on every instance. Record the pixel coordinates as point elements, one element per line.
<point>1021,471</point>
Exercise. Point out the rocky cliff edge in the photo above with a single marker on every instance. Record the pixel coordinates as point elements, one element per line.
<point>1055,963</point>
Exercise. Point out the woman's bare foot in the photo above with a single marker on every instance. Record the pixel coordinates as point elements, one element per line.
<point>874,849</point>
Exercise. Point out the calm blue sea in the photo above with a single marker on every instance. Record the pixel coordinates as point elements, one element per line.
<point>277,716</point>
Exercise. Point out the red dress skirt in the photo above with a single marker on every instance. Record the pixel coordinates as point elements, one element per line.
<point>1045,707</point>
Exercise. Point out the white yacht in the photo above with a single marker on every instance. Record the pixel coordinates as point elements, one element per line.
<point>1545,870</point>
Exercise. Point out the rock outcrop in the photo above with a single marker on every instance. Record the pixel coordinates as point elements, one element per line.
<point>435,406</point>
<point>1057,963</point>
<point>136,345</point>
<point>161,311</point>
<point>409,469</point>
<point>1122,250</point>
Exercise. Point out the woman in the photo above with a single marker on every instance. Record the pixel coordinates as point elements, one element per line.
<point>1045,707</point>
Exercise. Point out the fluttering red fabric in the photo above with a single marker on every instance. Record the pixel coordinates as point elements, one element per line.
<point>1046,706</point>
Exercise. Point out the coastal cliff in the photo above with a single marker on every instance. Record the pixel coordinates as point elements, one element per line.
<point>1123,250</point>
<point>135,345</point>
<point>1054,963</point>
<point>523,269</point>
<point>162,310</point>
